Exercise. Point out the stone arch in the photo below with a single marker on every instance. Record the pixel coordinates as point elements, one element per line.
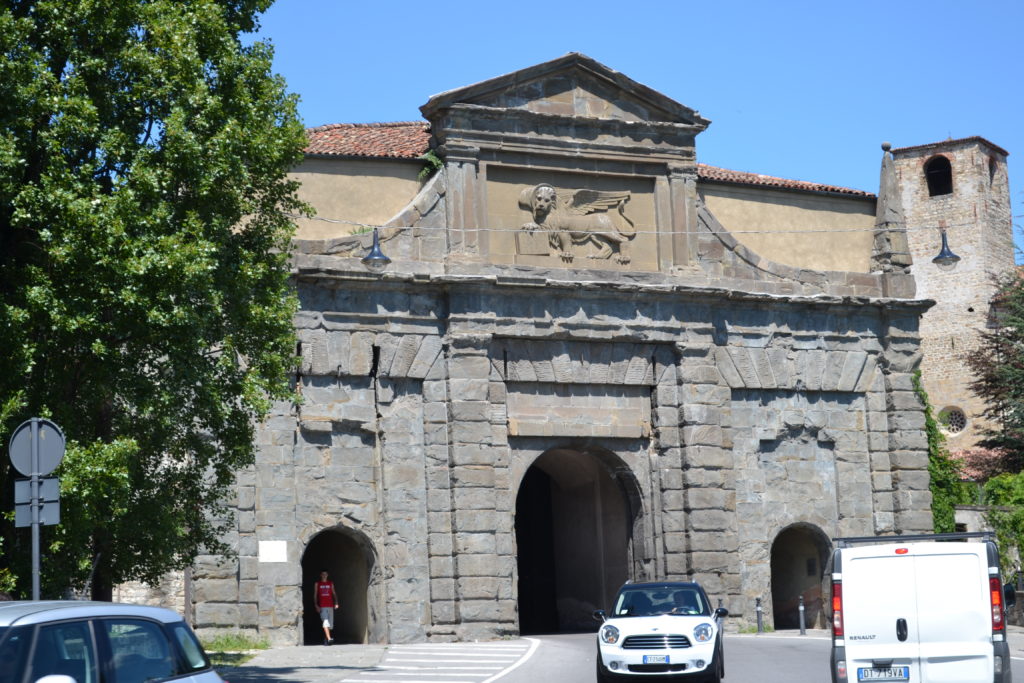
<point>799,554</point>
<point>349,558</point>
<point>579,537</point>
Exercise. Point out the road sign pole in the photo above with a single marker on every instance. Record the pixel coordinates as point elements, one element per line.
<point>36,449</point>
<point>35,508</point>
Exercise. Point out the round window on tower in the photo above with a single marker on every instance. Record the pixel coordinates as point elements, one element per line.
<point>953,420</point>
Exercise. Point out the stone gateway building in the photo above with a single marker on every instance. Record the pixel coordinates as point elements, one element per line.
<point>572,374</point>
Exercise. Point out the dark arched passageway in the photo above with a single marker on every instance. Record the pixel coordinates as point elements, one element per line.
<point>573,525</point>
<point>799,555</point>
<point>348,564</point>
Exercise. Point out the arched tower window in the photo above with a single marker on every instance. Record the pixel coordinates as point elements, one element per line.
<point>939,174</point>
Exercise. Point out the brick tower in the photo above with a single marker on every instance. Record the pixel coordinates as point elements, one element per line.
<point>961,186</point>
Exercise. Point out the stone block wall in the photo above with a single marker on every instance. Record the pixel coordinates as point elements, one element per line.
<point>976,215</point>
<point>725,422</point>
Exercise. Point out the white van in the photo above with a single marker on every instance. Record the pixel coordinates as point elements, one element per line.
<point>919,609</point>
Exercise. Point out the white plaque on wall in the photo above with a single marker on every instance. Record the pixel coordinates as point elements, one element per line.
<point>273,551</point>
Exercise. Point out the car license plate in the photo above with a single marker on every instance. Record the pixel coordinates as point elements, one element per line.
<point>884,673</point>
<point>656,659</point>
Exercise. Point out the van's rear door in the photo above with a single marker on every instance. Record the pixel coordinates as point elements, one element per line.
<point>954,612</point>
<point>919,610</point>
<point>879,600</point>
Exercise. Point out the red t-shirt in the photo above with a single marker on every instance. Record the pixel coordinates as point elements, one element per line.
<point>324,594</point>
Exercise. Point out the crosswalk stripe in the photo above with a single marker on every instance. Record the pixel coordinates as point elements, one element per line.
<point>406,680</point>
<point>494,650</point>
<point>457,662</point>
<point>423,673</point>
<point>391,666</point>
<point>446,668</point>
<point>477,660</point>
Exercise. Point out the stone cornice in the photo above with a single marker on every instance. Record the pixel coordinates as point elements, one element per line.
<point>543,119</point>
<point>349,269</point>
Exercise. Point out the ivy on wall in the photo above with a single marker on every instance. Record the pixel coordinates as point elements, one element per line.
<point>948,490</point>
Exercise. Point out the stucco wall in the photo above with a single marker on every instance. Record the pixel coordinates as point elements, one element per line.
<point>742,208</point>
<point>366,191</point>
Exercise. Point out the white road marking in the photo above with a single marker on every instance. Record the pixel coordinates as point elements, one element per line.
<point>474,660</point>
<point>404,680</point>
<point>458,662</point>
<point>534,643</point>
<point>464,668</point>
<point>421,672</point>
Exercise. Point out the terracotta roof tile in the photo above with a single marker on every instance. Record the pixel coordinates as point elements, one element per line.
<point>979,463</point>
<point>410,139</point>
<point>723,175</point>
<point>406,140</point>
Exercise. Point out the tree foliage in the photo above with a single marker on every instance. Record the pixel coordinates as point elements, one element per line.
<point>947,488</point>
<point>143,268</point>
<point>1004,494</point>
<point>998,366</point>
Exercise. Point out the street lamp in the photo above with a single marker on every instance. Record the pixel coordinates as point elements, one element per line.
<point>946,260</point>
<point>375,261</point>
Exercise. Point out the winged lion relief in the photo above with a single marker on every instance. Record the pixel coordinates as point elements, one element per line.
<point>580,217</point>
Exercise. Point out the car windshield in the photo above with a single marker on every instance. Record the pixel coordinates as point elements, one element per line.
<point>646,602</point>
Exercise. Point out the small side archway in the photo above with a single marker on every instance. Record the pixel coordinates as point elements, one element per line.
<point>577,514</point>
<point>348,558</point>
<point>799,555</point>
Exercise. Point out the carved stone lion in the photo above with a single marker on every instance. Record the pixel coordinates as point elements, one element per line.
<point>583,217</point>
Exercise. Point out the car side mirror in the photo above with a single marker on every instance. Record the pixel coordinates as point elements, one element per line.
<point>599,615</point>
<point>1009,595</point>
<point>721,613</point>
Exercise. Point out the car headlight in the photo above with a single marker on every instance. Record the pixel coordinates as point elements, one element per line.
<point>609,634</point>
<point>703,633</point>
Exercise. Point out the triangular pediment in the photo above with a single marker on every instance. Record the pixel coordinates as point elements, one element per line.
<point>572,86</point>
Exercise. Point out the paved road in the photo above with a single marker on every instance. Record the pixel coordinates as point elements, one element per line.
<point>464,662</point>
<point>784,657</point>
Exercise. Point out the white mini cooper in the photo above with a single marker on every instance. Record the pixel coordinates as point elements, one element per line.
<point>661,630</point>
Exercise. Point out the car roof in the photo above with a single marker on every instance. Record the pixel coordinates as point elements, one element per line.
<point>662,585</point>
<point>20,612</point>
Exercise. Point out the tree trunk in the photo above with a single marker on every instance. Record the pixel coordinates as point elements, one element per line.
<point>100,585</point>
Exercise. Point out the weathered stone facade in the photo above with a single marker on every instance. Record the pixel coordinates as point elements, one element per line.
<point>538,401</point>
<point>976,215</point>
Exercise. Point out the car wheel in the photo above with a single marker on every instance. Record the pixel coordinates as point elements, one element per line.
<point>717,667</point>
<point>603,675</point>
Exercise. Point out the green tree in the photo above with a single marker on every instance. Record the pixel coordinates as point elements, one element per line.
<point>946,486</point>
<point>145,303</point>
<point>1004,494</point>
<point>998,365</point>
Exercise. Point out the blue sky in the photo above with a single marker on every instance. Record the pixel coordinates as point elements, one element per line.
<point>801,90</point>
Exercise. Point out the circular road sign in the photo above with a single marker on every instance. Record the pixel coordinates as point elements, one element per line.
<point>51,446</point>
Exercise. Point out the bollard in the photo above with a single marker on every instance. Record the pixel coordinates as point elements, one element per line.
<point>803,626</point>
<point>760,617</point>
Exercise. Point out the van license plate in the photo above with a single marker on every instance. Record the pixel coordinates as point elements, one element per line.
<point>656,659</point>
<point>891,673</point>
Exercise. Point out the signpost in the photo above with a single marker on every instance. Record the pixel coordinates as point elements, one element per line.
<point>36,448</point>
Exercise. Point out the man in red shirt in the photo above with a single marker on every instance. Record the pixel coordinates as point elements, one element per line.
<point>326,601</point>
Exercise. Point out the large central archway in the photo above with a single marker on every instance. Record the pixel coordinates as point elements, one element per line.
<point>575,515</point>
